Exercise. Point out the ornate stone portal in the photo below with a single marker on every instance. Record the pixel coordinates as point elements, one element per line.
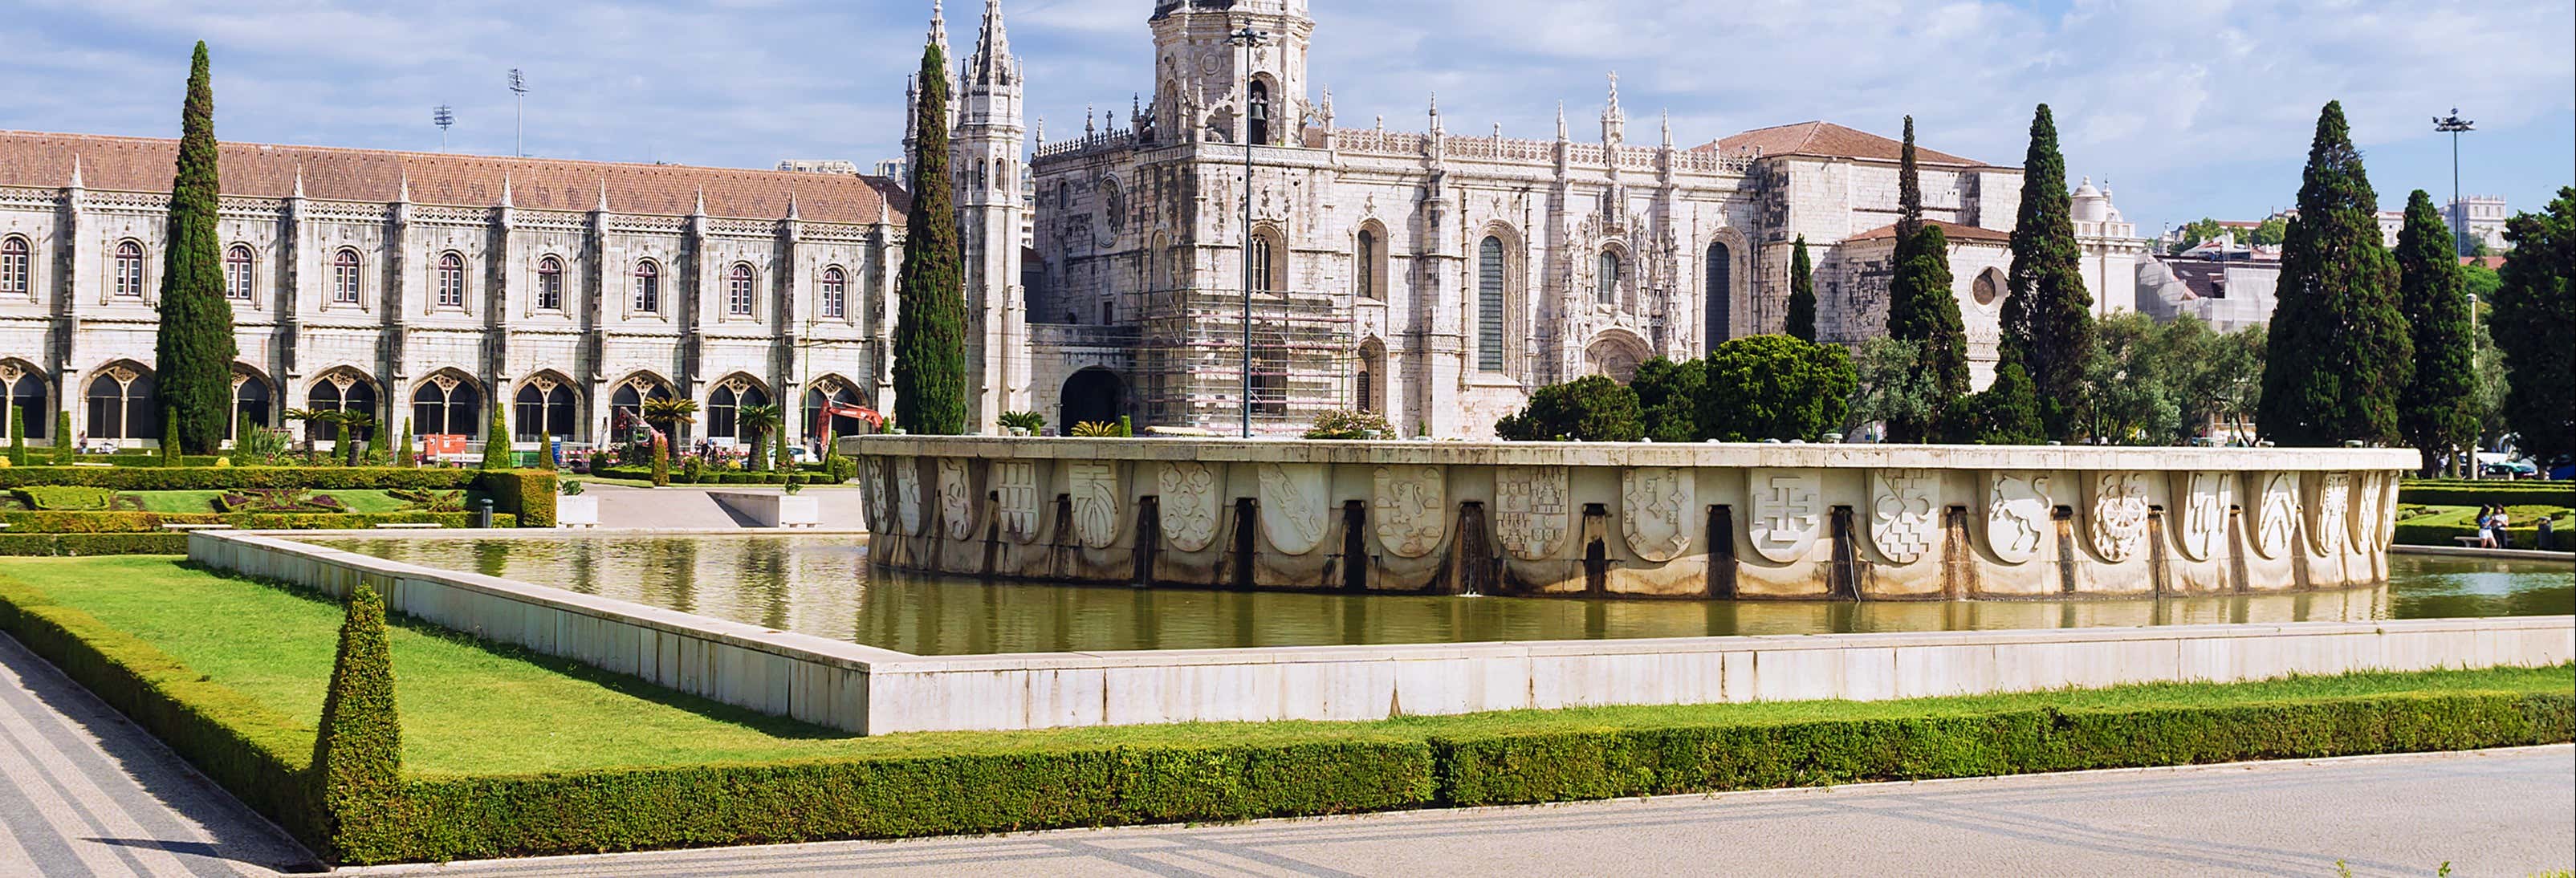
<point>2328,510</point>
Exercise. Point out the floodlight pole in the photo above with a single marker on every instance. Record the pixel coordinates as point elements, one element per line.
<point>519,113</point>
<point>1248,38</point>
<point>2454,125</point>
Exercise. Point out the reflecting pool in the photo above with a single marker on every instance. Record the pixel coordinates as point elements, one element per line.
<point>823,586</point>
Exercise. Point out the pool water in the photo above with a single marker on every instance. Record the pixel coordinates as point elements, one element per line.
<point>824,586</point>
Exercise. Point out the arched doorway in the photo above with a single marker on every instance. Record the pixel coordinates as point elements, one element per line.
<point>1616,353</point>
<point>341,389</point>
<point>1371,392</point>
<point>1093,395</point>
<point>122,405</point>
<point>22,387</point>
<point>1721,294</point>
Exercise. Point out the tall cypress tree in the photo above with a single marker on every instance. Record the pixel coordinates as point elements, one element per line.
<point>2048,317</point>
<point>2439,410</point>
<point>2533,309</point>
<point>194,351</point>
<point>1909,189</point>
<point>2338,355</point>
<point>1921,307</point>
<point>1802,293</point>
<point>930,330</point>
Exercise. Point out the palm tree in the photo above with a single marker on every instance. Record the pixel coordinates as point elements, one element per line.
<point>351,421</point>
<point>759,421</point>
<point>667,415</point>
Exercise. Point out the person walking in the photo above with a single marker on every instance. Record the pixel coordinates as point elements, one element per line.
<point>2503,538</point>
<point>2486,527</point>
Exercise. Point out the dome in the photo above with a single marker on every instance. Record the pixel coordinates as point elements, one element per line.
<point>2086,190</point>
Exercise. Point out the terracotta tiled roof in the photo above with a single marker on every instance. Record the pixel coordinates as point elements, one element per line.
<point>1956,233</point>
<point>257,170</point>
<point>1828,139</point>
<point>2493,262</point>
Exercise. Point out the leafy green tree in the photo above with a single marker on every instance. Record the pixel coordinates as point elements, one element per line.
<point>761,421</point>
<point>2533,311</point>
<point>1802,293</point>
<point>194,348</point>
<point>1593,408</point>
<point>2213,377</point>
<point>1668,393</point>
<point>357,756</point>
<point>1921,308</point>
<point>930,328</point>
<point>405,457</point>
<point>2005,413</point>
<point>496,439</point>
<point>2339,354</point>
<point>2438,410</point>
<point>17,434</point>
<point>2129,383</point>
<point>1892,387</point>
<point>1775,387</point>
<point>2481,281</point>
<point>2267,233</point>
<point>2048,317</point>
<point>1909,188</point>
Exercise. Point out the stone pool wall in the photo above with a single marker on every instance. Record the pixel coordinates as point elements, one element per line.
<point>875,691</point>
<point>1874,522</point>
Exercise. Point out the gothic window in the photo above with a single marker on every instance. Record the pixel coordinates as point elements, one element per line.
<point>1721,294</point>
<point>344,277</point>
<point>1989,285</point>
<point>251,400</point>
<point>446,404</point>
<point>13,266</point>
<point>543,409</point>
<point>836,292</point>
<point>1064,195</point>
<point>1257,122</point>
<point>1104,314</point>
<point>1113,206</point>
<point>340,390</point>
<point>451,281</point>
<point>121,404</point>
<point>648,287</point>
<point>237,280</point>
<point>550,284</point>
<point>129,270</point>
<point>1370,271</point>
<point>1609,277</point>
<point>626,406</point>
<point>1489,305</point>
<point>1270,375</point>
<point>738,290</point>
<point>725,405</point>
<point>23,388</point>
<point>1269,266</point>
<point>832,390</point>
<point>1372,378</point>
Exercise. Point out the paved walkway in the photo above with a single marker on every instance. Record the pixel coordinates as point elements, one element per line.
<point>623,507</point>
<point>83,792</point>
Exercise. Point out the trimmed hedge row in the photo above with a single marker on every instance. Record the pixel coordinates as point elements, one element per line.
<point>708,477</point>
<point>41,545</point>
<point>525,495</point>
<point>257,753</point>
<point>151,522</point>
<point>2522,536</point>
<point>2460,492</point>
<point>149,460</point>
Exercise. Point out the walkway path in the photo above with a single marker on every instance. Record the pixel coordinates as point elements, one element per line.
<point>629,508</point>
<point>83,792</point>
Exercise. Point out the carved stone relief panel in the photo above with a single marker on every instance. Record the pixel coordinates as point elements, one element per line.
<point>2202,526</point>
<point>2017,512</point>
<point>1654,511</point>
<point>1788,511</point>
<point>2366,509</point>
<point>873,490</point>
<point>1532,512</point>
<point>2326,512</point>
<point>907,495</point>
<point>1017,482</point>
<point>2120,508</point>
<point>2276,514</point>
<point>1094,486</point>
<point>1188,492</point>
<point>1293,496</point>
<point>1409,506</point>
<point>956,498</point>
<point>1904,518</point>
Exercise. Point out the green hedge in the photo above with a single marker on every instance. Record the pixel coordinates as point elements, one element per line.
<point>529,494</point>
<point>521,495</point>
<point>150,522</point>
<point>36,544</point>
<point>2461,492</point>
<point>255,752</point>
<point>708,477</point>
<point>149,460</point>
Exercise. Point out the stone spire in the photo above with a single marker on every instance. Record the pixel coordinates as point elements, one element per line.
<point>402,191</point>
<point>299,183</point>
<point>1614,122</point>
<point>992,63</point>
<point>602,207</point>
<point>939,27</point>
<point>505,191</point>
<point>701,208</point>
<point>1562,133</point>
<point>1435,113</point>
<point>791,205</point>
<point>1668,129</point>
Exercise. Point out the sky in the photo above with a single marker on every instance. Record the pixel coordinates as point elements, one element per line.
<point>2187,108</point>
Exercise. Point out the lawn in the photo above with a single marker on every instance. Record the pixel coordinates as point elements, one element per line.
<point>204,501</point>
<point>470,708</point>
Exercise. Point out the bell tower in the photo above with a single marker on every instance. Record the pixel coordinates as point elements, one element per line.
<point>986,149</point>
<point>1203,87</point>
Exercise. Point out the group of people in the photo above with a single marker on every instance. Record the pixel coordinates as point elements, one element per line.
<point>2491,528</point>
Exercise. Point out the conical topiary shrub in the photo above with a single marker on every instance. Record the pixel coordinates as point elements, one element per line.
<point>357,757</point>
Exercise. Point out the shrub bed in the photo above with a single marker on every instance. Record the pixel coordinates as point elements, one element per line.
<point>151,522</point>
<point>521,494</point>
<point>41,545</point>
<point>2462,492</point>
<point>707,477</point>
<point>65,497</point>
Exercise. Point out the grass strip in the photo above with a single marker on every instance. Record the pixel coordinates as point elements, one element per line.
<point>509,754</point>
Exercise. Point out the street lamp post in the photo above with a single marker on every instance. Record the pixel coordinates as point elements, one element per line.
<point>2454,125</point>
<point>1249,39</point>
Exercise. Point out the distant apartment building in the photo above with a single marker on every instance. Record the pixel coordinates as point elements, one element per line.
<point>820,166</point>
<point>2228,286</point>
<point>2483,216</point>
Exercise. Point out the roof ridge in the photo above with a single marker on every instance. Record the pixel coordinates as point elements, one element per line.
<point>443,156</point>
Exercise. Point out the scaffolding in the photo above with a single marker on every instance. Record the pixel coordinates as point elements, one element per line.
<point>1190,360</point>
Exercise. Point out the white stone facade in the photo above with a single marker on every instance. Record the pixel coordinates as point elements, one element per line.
<point>424,286</point>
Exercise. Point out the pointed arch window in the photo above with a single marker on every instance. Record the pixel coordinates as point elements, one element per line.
<point>340,390</point>
<point>446,405</point>
<point>738,290</point>
<point>121,404</point>
<point>1609,277</point>
<point>344,277</point>
<point>1721,294</point>
<point>13,266</point>
<point>1489,304</point>
<point>1269,271</point>
<point>451,281</point>
<point>550,284</point>
<point>648,287</point>
<point>1257,121</point>
<point>1369,274</point>
<point>129,271</point>
<point>724,408</point>
<point>543,409</point>
<point>23,389</point>
<point>251,401</point>
<point>835,293</point>
<point>626,405</point>
<point>237,272</point>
